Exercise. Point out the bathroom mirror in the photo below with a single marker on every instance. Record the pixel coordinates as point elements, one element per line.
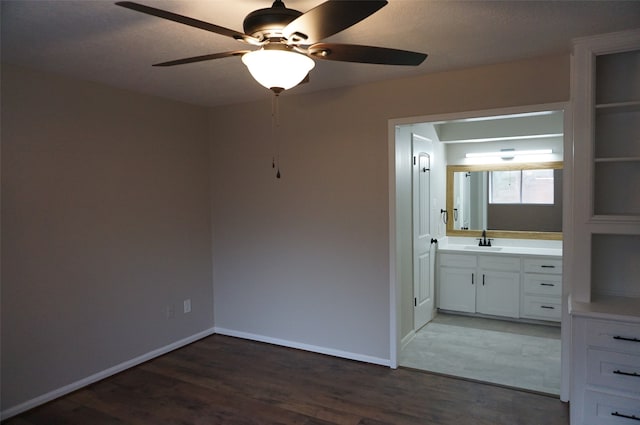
<point>517,200</point>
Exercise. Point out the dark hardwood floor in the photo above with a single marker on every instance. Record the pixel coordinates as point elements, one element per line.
<point>223,380</point>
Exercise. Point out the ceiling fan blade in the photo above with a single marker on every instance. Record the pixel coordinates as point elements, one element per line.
<point>365,54</point>
<point>330,18</point>
<point>203,58</point>
<point>188,21</point>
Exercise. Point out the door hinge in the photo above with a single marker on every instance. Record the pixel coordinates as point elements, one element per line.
<point>415,302</point>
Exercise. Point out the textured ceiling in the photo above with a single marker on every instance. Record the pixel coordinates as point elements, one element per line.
<point>98,41</point>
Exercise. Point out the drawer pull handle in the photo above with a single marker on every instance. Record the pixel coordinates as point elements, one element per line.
<point>548,307</point>
<point>544,266</point>
<point>547,284</point>
<point>619,372</point>
<point>634,417</point>
<point>621,338</point>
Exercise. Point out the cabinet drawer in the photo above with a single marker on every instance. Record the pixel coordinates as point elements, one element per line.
<point>616,336</point>
<point>606,409</point>
<point>541,308</point>
<point>543,284</point>
<point>614,370</point>
<point>542,265</point>
<point>454,260</point>
<point>499,263</point>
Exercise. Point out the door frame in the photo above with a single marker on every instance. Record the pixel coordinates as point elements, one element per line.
<point>567,225</point>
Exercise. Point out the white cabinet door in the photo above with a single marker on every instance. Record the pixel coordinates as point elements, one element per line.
<point>498,293</point>
<point>457,289</point>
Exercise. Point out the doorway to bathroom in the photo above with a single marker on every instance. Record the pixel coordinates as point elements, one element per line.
<point>518,352</point>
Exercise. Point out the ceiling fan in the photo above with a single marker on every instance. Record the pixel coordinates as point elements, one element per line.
<point>288,40</point>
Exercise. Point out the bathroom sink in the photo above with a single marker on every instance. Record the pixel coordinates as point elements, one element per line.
<point>483,248</point>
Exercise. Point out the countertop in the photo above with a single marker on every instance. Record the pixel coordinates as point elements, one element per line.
<point>607,307</point>
<point>501,250</point>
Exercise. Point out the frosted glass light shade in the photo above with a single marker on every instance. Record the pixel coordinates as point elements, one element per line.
<point>281,69</point>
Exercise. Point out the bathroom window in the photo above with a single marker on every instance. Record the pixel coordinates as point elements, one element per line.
<point>521,187</point>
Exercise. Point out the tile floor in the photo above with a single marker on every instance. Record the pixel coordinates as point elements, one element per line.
<point>502,352</point>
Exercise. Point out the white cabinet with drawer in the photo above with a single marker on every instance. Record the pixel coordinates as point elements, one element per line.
<point>516,286</point>
<point>542,289</point>
<point>606,372</point>
<point>542,265</point>
<point>605,409</point>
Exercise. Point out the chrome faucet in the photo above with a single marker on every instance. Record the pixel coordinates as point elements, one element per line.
<point>483,240</point>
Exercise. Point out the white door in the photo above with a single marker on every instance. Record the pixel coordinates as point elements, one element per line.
<point>423,290</point>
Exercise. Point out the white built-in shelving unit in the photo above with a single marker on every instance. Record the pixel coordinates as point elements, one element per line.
<point>606,102</point>
<point>605,270</point>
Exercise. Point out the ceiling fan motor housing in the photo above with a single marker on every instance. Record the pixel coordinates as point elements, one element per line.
<point>268,23</point>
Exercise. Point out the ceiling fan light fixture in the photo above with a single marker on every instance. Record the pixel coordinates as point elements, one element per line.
<point>278,68</point>
<point>290,40</point>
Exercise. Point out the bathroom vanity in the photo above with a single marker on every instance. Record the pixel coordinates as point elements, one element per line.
<point>502,281</point>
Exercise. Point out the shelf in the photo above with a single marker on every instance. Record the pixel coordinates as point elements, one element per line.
<point>618,107</point>
<point>607,307</point>
<point>618,159</point>
<point>620,221</point>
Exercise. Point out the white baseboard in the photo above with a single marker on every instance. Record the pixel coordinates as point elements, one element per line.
<point>407,339</point>
<point>29,404</point>
<point>305,347</point>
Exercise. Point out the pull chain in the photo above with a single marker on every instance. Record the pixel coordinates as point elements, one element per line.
<point>275,132</point>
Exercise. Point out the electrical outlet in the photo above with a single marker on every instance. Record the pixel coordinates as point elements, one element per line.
<point>187,305</point>
<point>170,311</point>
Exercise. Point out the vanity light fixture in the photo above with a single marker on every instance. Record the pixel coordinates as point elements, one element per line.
<point>499,117</point>
<point>508,153</point>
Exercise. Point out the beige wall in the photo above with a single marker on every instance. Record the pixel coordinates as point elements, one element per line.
<point>106,208</point>
<point>105,222</point>
<point>305,259</point>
